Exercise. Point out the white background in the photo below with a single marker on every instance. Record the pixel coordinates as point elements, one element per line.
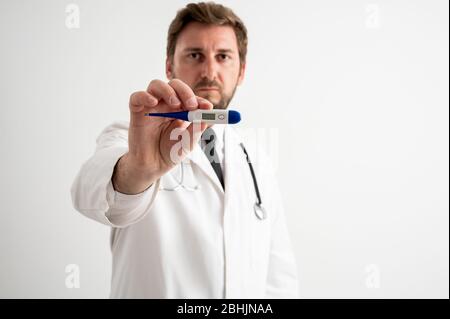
<point>357,92</point>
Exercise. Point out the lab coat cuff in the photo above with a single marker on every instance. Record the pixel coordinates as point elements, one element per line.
<point>125,209</point>
<point>118,200</point>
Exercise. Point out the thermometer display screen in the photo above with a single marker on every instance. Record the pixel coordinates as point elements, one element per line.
<point>208,116</point>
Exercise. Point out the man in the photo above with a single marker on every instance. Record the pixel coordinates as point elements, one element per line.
<point>176,232</point>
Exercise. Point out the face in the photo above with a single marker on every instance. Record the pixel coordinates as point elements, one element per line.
<point>207,59</point>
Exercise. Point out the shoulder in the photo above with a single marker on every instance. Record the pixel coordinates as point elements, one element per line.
<point>116,132</point>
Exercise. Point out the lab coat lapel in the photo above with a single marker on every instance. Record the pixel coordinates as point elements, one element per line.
<point>232,141</point>
<point>198,157</point>
<point>235,165</point>
<point>238,217</point>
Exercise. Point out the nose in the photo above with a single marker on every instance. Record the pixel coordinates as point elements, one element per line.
<point>209,69</point>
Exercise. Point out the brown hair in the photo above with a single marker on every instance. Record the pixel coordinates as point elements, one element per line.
<point>207,13</point>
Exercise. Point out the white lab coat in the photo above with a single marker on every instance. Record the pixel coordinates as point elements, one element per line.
<point>205,243</point>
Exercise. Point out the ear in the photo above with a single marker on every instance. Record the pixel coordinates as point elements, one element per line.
<point>169,72</point>
<point>241,73</point>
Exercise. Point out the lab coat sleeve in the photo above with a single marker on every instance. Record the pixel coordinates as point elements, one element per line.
<point>93,194</point>
<point>282,277</point>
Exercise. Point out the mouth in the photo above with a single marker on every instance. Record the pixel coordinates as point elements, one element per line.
<point>208,89</point>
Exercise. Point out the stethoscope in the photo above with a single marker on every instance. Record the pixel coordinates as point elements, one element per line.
<point>258,208</point>
<point>180,183</point>
<point>260,212</point>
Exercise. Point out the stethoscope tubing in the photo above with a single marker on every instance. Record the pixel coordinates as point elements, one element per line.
<point>258,208</point>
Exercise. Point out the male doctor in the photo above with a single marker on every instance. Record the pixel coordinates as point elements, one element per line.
<point>185,226</point>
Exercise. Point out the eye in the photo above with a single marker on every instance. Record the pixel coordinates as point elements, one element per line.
<point>194,55</point>
<point>223,57</point>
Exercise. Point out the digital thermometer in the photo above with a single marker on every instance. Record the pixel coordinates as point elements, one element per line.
<point>206,116</point>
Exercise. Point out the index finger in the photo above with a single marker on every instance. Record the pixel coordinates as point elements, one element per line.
<point>163,91</point>
<point>185,93</point>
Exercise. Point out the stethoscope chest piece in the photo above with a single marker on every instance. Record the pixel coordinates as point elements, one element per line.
<point>260,212</point>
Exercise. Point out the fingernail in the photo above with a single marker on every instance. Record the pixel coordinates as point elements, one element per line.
<point>204,101</point>
<point>173,100</point>
<point>191,102</point>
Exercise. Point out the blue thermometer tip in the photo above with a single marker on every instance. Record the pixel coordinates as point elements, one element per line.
<point>234,117</point>
<point>208,116</point>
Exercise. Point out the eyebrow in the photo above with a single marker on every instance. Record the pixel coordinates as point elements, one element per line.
<point>194,49</point>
